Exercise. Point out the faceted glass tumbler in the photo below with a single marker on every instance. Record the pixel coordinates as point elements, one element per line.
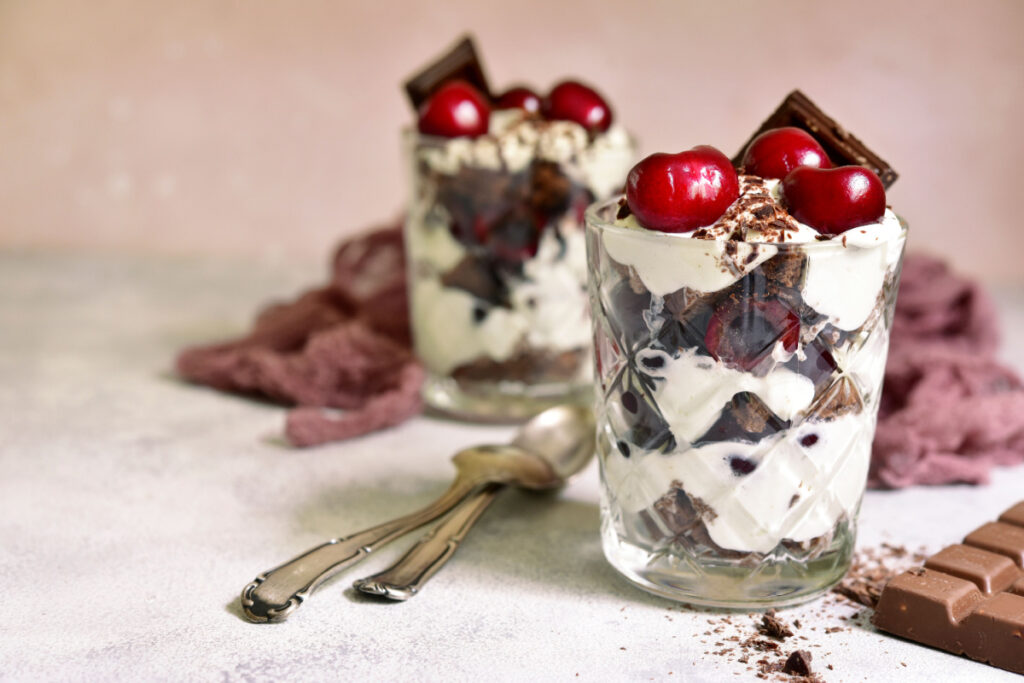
<point>497,268</point>
<point>736,412</point>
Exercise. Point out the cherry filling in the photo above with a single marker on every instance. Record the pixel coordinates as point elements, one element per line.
<point>514,236</point>
<point>818,364</point>
<point>743,335</point>
<point>504,215</point>
<point>741,466</point>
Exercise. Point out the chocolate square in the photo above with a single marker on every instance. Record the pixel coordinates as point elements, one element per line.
<point>461,61</point>
<point>841,146</point>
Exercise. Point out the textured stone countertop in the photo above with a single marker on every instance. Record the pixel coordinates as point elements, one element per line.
<point>134,508</point>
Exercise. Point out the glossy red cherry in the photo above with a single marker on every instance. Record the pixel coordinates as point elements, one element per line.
<point>834,200</point>
<point>457,109</point>
<point>774,153</point>
<point>519,97</point>
<point>573,101</point>
<point>741,336</point>
<point>682,192</point>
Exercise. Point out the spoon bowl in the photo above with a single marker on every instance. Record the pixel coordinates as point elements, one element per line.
<point>545,452</point>
<point>563,436</point>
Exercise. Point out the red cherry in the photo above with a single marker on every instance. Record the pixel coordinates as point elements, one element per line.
<point>457,109</point>
<point>742,335</point>
<point>573,101</point>
<point>834,200</point>
<point>519,97</point>
<point>682,192</point>
<point>774,153</point>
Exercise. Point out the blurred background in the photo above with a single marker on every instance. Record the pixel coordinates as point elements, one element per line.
<point>268,130</point>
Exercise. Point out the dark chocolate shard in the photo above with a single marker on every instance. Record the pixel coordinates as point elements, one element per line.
<point>685,520</point>
<point>528,366</point>
<point>773,627</point>
<point>476,276</point>
<point>798,663</point>
<point>745,418</point>
<point>460,62</point>
<point>841,146</point>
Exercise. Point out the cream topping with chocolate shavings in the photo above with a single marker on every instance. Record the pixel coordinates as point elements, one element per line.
<point>756,216</point>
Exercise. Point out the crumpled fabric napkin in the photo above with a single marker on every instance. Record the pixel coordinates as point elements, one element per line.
<point>343,346</point>
<point>949,413</point>
<point>950,410</point>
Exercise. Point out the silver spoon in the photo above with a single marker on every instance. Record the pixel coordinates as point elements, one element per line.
<point>546,445</point>
<point>562,439</point>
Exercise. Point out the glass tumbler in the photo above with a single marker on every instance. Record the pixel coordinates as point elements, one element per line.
<point>737,390</point>
<point>497,263</point>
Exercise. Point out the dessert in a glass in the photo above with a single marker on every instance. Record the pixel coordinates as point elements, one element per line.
<point>496,247</point>
<point>741,325</point>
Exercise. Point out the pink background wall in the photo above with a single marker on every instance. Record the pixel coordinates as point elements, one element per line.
<point>269,129</point>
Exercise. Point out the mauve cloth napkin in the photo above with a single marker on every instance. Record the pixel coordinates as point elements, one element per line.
<point>950,411</point>
<point>345,345</point>
<point>341,355</point>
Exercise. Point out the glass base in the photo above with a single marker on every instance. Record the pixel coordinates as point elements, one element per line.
<point>729,584</point>
<point>501,402</point>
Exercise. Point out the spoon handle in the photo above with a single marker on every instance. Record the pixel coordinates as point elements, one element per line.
<point>275,594</point>
<point>404,579</point>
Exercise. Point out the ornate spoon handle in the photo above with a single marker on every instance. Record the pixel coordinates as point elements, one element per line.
<point>403,580</point>
<point>275,594</point>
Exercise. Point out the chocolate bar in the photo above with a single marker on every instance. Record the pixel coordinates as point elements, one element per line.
<point>842,147</point>
<point>459,62</point>
<point>968,598</point>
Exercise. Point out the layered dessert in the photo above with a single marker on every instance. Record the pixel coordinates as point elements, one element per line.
<point>741,323</point>
<point>495,238</point>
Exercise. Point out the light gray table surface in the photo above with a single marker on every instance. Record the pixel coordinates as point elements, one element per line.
<point>133,509</point>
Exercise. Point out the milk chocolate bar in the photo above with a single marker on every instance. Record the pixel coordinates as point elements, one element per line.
<point>842,147</point>
<point>459,62</point>
<point>968,599</point>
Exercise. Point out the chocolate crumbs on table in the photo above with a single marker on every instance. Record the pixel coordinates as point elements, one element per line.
<point>773,627</point>
<point>798,663</point>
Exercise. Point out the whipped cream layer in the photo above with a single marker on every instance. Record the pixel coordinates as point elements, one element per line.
<point>794,492</point>
<point>799,487</point>
<point>548,304</point>
<point>515,139</point>
<point>845,273</point>
<point>691,390</point>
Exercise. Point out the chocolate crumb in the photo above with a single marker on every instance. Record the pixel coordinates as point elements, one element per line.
<point>773,627</point>
<point>798,663</point>
<point>896,550</point>
<point>624,210</point>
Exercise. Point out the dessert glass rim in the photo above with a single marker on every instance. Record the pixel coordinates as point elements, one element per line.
<point>595,216</point>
